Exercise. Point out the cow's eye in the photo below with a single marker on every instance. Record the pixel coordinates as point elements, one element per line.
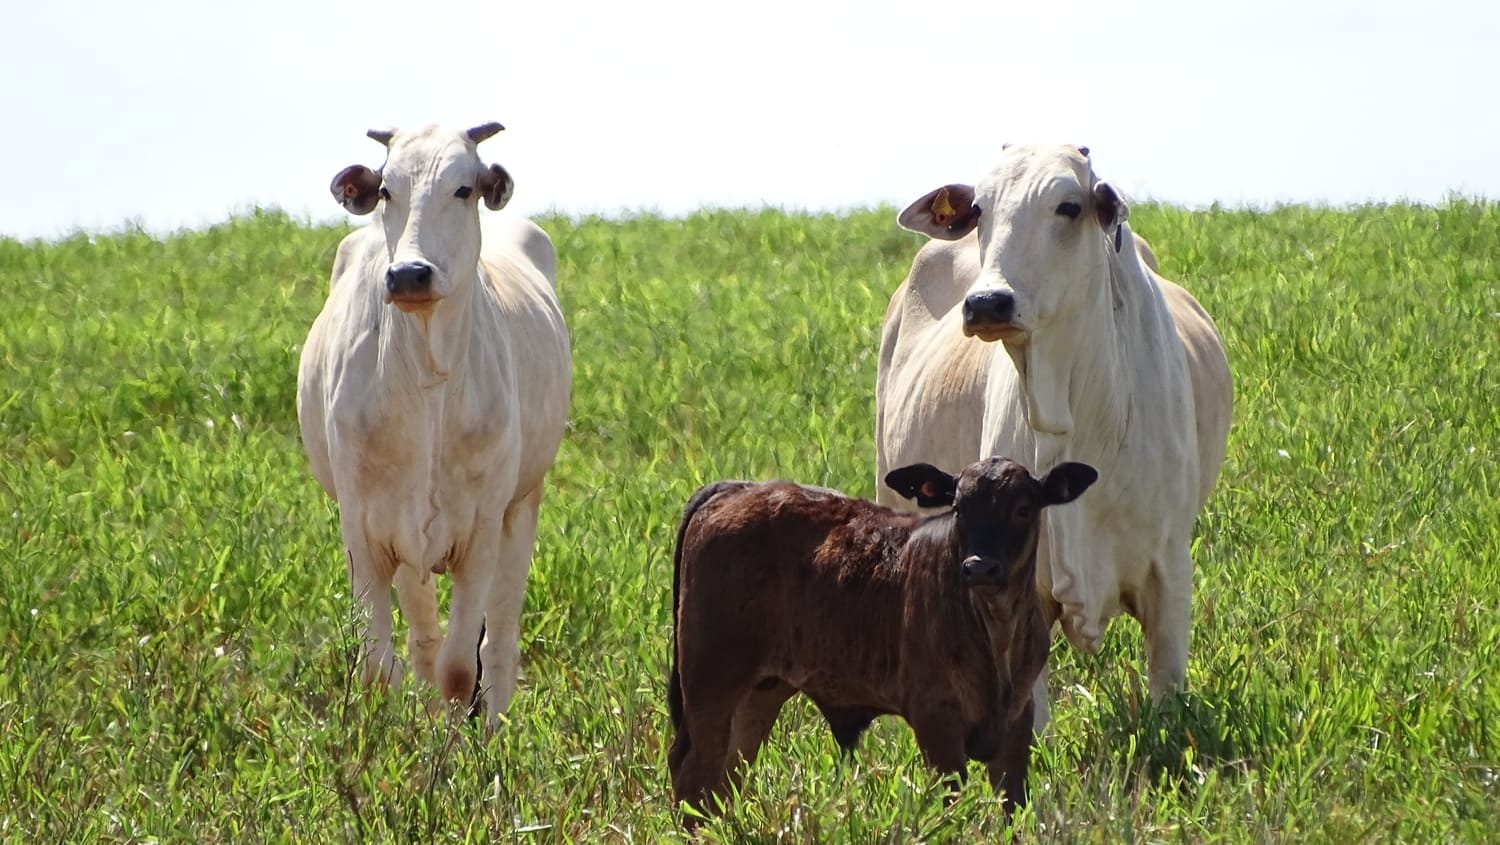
<point>1070,210</point>
<point>384,194</point>
<point>1023,512</point>
<point>464,193</point>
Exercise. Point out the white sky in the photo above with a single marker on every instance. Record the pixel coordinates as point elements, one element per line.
<point>170,113</point>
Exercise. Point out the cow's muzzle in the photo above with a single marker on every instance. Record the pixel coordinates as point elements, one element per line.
<point>980,571</point>
<point>990,316</point>
<point>408,286</point>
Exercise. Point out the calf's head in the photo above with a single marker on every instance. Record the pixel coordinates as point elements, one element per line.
<point>427,193</point>
<point>1040,213</point>
<point>997,506</point>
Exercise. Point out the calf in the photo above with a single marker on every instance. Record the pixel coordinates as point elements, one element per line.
<point>780,588</point>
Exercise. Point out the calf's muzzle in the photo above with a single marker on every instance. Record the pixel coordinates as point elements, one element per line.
<point>979,571</point>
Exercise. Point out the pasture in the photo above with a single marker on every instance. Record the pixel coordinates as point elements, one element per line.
<point>174,614</point>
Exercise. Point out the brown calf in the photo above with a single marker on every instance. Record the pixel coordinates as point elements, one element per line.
<point>780,588</point>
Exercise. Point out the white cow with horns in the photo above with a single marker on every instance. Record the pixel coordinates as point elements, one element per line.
<point>432,394</point>
<point>1024,330</point>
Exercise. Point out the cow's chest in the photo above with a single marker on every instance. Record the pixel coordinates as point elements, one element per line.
<point>427,476</point>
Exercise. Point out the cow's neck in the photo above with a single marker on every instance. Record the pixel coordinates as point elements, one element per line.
<point>1074,379</point>
<point>431,351</point>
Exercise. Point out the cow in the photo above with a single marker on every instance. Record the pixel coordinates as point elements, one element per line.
<point>1024,329</point>
<point>432,395</point>
<point>779,588</point>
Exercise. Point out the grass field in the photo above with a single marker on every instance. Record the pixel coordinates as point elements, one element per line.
<point>174,611</point>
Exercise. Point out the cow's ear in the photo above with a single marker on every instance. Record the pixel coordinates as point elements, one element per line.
<point>357,189</point>
<point>1066,482</point>
<point>496,185</point>
<point>948,213</point>
<point>1111,210</point>
<point>925,483</point>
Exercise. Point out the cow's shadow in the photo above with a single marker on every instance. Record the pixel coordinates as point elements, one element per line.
<point>1228,724</point>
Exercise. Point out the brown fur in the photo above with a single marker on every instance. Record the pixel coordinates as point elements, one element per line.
<point>781,588</point>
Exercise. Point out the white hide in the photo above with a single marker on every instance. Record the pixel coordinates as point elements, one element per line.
<point>434,426</point>
<point>1103,362</point>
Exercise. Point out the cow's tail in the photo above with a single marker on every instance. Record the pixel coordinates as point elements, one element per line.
<point>674,680</point>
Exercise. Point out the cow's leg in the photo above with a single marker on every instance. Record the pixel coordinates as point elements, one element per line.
<point>472,576</point>
<point>752,723</point>
<point>1041,701</point>
<point>883,494</point>
<point>1012,761</point>
<point>370,587</point>
<point>1165,608</point>
<point>417,595</point>
<point>500,655</point>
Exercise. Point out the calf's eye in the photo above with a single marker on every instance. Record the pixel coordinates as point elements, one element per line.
<point>464,193</point>
<point>1070,210</point>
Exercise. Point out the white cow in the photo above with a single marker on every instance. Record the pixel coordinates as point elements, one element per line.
<point>1025,331</point>
<point>432,395</point>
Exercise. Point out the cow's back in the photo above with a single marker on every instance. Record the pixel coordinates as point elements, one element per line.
<point>1208,369</point>
<point>507,234</point>
<point>350,316</point>
<point>518,267</point>
<point>930,384</point>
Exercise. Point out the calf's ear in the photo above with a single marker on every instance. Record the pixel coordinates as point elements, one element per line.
<point>1066,482</point>
<point>357,189</point>
<point>496,186</point>
<point>948,213</point>
<point>928,485</point>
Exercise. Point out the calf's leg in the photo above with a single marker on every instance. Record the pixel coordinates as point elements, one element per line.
<point>1011,763</point>
<point>752,723</point>
<point>702,770</point>
<point>941,734</point>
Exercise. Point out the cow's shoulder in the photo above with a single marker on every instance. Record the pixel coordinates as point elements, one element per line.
<point>941,272</point>
<point>513,240</point>
<point>354,252</point>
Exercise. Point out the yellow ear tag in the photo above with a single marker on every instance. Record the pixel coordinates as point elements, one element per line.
<point>943,211</point>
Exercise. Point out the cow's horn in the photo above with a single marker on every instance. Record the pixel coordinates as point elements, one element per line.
<point>384,136</point>
<point>484,131</point>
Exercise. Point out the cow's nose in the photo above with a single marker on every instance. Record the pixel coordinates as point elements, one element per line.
<point>992,307</point>
<point>408,277</point>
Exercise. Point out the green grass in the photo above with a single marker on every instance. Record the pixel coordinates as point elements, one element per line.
<point>174,610</point>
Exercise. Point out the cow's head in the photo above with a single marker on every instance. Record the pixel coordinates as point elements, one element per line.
<point>1045,223</point>
<point>997,511</point>
<point>427,193</point>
